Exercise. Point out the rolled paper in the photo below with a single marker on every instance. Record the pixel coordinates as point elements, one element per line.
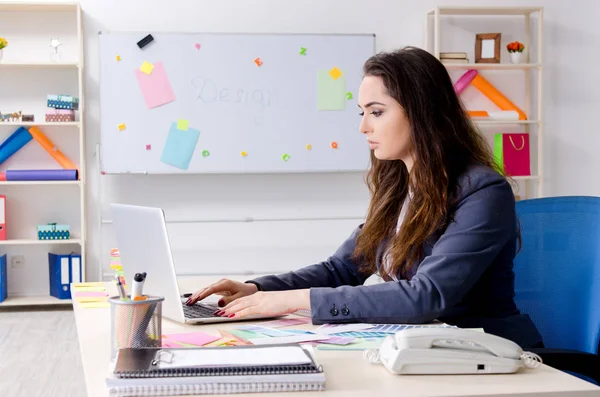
<point>51,149</point>
<point>14,143</point>
<point>41,175</point>
<point>504,115</point>
<point>465,80</point>
<point>496,96</point>
<point>501,115</point>
<point>478,113</point>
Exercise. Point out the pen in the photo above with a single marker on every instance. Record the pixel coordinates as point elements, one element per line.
<point>120,288</point>
<point>137,286</point>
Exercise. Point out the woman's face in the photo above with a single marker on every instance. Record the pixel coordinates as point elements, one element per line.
<point>384,122</point>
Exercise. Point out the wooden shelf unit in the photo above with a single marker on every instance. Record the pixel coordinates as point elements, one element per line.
<point>37,65</point>
<point>530,66</point>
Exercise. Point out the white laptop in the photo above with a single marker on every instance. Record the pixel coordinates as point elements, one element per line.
<point>143,244</point>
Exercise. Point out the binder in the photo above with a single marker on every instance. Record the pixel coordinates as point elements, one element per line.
<point>64,270</point>
<point>215,370</point>
<point>2,217</point>
<point>3,279</point>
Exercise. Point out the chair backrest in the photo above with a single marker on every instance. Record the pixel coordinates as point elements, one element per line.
<point>557,271</point>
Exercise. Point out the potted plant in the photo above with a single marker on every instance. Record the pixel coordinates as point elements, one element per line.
<point>515,51</point>
<point>3,43</point>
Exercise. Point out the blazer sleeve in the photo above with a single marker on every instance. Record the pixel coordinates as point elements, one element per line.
<point>484,222</point>
<point>337,270</point>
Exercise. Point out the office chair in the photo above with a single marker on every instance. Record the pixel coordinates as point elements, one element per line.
<point>557,280</point>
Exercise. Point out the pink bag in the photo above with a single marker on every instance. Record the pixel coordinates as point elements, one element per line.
<point>513,154</point>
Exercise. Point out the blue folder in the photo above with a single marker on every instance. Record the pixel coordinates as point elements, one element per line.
<point>3,279</point>
<point>64,270</point>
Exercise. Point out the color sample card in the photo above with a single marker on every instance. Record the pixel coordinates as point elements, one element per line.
<point>155,87</point>
<point>179,147</point>
<point>191,338</point>
<point>331,93</point>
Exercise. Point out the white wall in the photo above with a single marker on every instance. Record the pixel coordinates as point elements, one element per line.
<point>572,145</point>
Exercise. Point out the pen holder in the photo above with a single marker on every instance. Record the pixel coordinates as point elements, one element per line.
<point>135,323</point>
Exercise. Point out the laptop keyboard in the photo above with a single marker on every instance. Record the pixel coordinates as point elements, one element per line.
<point>198,311</point>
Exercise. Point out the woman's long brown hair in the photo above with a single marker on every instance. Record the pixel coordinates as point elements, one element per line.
<point>444,142</point>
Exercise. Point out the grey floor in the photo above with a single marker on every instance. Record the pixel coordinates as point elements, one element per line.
<point>39,354</point>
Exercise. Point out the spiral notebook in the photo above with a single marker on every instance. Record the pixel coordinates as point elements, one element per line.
<point>237,369</point>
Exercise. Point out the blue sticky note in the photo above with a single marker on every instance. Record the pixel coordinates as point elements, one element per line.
<point>179,147</point>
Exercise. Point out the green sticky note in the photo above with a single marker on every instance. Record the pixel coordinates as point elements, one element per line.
<point>498,151</point>
<point>331,93</point>
<point>182,124</point>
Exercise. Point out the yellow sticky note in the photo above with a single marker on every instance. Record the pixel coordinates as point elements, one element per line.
<point>98,288</point>
<point>121,127</point>
<point>89,284</point>
<point>118,58</point>
<point>93,305</point>
<point>183,124</point>
<point>335,73</point>
<point>89,299</point>
<point>147,67</point>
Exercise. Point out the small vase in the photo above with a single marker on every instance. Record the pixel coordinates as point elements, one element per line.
<point>515,57</point>
<point>1,54</point>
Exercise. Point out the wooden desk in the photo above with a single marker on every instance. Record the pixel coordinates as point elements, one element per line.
<point>347,373</point>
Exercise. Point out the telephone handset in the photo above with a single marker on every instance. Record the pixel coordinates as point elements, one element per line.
<point>433,350</point>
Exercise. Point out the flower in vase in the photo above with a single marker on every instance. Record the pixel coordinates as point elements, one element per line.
<point>515,46</point>
<point>3,42</point>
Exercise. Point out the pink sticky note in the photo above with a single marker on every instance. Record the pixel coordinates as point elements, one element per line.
<point>166,343</point>
<point>193,338</point>
<point>197,46</point>
<point>89,294</point>
<point>155,87</point>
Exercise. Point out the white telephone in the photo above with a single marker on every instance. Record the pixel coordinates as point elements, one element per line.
<point>433,350</point>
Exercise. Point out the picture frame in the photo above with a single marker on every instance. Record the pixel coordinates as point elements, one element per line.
<point>487,47</point>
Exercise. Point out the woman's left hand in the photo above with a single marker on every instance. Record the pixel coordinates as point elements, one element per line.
<point>270,303</point>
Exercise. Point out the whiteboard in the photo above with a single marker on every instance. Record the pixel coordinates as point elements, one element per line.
<point>232,103</point>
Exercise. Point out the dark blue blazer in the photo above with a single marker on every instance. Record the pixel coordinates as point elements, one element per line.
<point>466,277</point>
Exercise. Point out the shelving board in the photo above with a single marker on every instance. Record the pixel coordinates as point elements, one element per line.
<point>36,300</point>
<point>52,65</point>
<point>491,11</point>
<point>492,66</point>
<point>492,122</point>
<point>41,124</point>
<point>37,7</point>
<point>37,183</point>
<point>25,241</point>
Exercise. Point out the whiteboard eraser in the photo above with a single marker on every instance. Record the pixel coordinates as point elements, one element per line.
<point>145,41</point>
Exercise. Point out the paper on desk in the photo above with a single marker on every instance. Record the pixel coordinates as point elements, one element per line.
<point>329,329</point>
<point>91,299</point>
<point>291,355</point>
<point>265,330</point>
<point>90,305</point>
<point>89,284</point>
<point>288,339</point>
<point>285,322</point>
<point>89,289</point>
<point>192,338</point>
<point>358,344</point>
<point>90,294</point>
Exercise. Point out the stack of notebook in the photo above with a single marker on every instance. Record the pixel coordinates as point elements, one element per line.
<point>219,370</point>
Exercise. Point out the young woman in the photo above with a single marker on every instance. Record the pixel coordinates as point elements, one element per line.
<point>441,230</point>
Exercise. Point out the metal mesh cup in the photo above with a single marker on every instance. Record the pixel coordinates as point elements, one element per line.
<point>135,323</point>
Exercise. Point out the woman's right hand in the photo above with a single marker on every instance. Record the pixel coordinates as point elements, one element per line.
<point>229,289</point>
